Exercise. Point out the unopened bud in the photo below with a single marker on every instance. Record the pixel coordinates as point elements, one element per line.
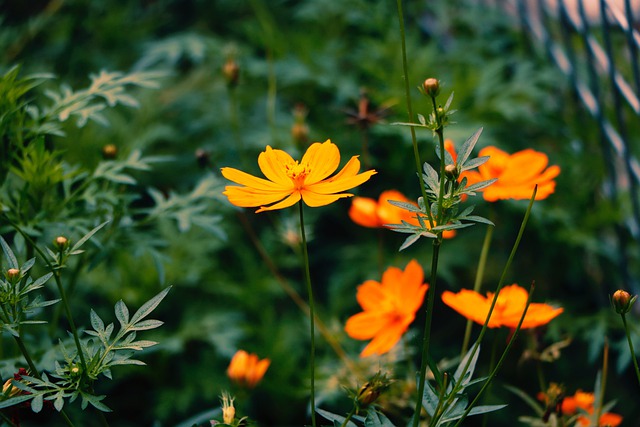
<point>109,151</point>
<point>622,301</point>
<point>228,410</point>
<point>61,243</point>
<point>231,72</point>
<point>431,87</point>
<point>13,274</point>
<point>300,132</point>
<point>371,390</point>
<point>451,171</point>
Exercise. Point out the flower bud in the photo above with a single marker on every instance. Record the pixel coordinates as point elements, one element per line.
<point>13,274</point>
<point>231,72</point>
<point>109,151</point>
<point>371,390</point>
<point>451,172</point>
<point>431,87</point>
<point>300,133</point>
<point>61,243</point>
<point>228,410</point>
<point>622,301</point>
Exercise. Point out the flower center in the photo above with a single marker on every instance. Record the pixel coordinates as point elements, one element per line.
<point>297,172</point>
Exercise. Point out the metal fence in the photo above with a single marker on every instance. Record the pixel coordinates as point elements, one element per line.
<point>595,43</point>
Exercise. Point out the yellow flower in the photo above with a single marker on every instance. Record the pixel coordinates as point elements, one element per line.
<point>288,180</point>
<point>388,308</point>
<point>246,369</point>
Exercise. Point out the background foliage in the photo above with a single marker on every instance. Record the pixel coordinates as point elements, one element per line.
<point>169,223</point>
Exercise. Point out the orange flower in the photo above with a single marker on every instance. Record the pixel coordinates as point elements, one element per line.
<point>288,180</point>
<point>517,174</point>
<point>507,311</point>
<point>388,308</point>
<point>375,214</point>
<point>585,401</point>
<point>246,369</point>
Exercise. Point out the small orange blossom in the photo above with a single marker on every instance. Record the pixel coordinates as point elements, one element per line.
<point>388,308</point>
<point>517,174</point>
<point>246,369</point>
<point>368,212</point>
<point>288,181</point>
<point>585,401</point>
<point>507,311</point>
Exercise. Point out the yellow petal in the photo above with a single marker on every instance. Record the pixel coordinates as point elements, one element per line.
<point>272,164</point>
<point>248,180</point>
<point>346,179</point>
<point>245,197</point>
<point>289,201</point>
<point>322,159</point>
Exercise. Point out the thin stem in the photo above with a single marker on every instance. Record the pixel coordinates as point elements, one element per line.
<point>440,133</point>
<point>351,414</point>
<point>312,356</point>
<point>427,329</point>
<point>63,296</point>
<point>27,357</point>
<point>414,140</point>
<point>482,262</point>
<point>603,380</point>
<point>633,354</point>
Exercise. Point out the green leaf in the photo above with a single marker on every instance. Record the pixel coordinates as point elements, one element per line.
<point>476,218</point>
<point>478,410</point>
<point>149,306</point>
<point>11,258</point>
<point>462,376</point>
<point>376,419</point>
<point>36,403</point>
<point>96,322</point>
<point>334,417</point>
<point>15,400</point>
<point>480,185</point>
<point>467,147</point>
<point>122,313</point>
<point>534,404</point>
<point>429,399</point>
<point>146,325</point>
<point>474,163</point>
<point>406,206</point>
<point>87,236</point>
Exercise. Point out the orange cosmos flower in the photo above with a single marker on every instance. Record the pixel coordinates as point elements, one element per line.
<point>246,369</point>
<point>507,311</point>
<point>585,401</point>
<point>388,308</point>
<point>288,180</point>
<point>517,174</point>
<point>375,214</point>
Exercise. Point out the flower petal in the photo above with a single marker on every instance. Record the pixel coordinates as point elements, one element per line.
<point>289,201</point>
<point>346,179</point>
<point>314,200</point>
<point>471,305</point>
<point>243,178</point>
<point>365,325</point>
<point>385,340</point>
<point>246,197</point>
<point>370,295</point>
<point>363,211</point>
<point>322,159</point>
<point>272,164</point>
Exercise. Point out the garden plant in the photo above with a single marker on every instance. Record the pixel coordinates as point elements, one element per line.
<point>324,213</point>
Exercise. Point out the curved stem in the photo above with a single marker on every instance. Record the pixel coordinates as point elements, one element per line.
<point>633,354</point>
<point>482,262</point>
<point>351,414</point>
<point>312,354</point>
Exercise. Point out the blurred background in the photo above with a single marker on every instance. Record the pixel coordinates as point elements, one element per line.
<point>239,75</point>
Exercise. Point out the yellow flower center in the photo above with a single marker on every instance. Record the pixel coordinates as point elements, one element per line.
<point>297,172</point>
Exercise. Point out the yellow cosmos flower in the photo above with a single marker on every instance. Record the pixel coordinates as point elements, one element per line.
<point>288,181</point>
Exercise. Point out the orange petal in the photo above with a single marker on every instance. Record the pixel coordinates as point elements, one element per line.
<point>385,339</point>
<point>370,296</point>
<point>363,211</point>
<point>365,325</point>
<point>471,305</point>
<point>524,166</point>
<point>314,200</point>
<point>323,159</point>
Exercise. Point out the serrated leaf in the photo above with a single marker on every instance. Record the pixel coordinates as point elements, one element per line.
<point>11,258</point>
<point>149,306</point>
<point>122,313</point>
<point>406,206</point>
<point>467,147</point>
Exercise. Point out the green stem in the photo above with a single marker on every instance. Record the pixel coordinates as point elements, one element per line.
<point>414,140</point>
<point>431,293</point>
<point>482,262</point>
<point>440,133</point>
<point>633,354</point>
<point>63,296</point>
<point>312,355</point>
<point>351,414</point>
<point>603,380</point>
